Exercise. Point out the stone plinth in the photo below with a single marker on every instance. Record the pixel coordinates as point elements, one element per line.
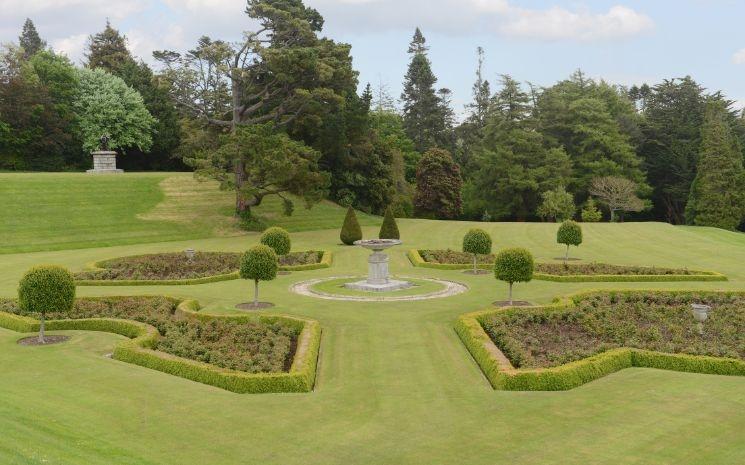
<point>104,162</point>
<point>377,268</point>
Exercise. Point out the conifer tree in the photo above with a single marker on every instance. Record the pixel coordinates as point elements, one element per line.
<point>717,195</point>
<point>389,228</point>
<point>350,230</point>
<point>108,50</point>
<point>424,111</point>
<point>481,94</point>
<point>29,40</point>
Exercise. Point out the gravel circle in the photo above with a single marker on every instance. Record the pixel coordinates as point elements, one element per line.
<point>451,288</point>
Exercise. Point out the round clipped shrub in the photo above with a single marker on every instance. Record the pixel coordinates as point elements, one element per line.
<point>477,242</point>
<point>514,266</point>
<point>46,288</point>
<point>278,239</point>
<point>260,264</point>
<point>350,230</point>
<point>389,228</point>
<point>569,233</point>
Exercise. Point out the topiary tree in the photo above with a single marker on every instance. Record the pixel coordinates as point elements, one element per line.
<point>591,213</point>
<point>278,239</point>
<point>350,230</point>
<point>389,228</point>
<point>514,266</point>
<point>477,242</point>
<point>569,233</point>
<point>259,264</point>
<point>46,288</point>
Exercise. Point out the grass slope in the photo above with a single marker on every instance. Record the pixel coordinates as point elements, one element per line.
<point>395,384</point>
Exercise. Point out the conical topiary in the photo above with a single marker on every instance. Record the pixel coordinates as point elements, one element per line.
<point>350,230</point>
<point>389,228</point>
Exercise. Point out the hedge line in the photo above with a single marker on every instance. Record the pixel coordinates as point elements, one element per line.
<point>138,350</point>
<point>568,376</point>
<point>417,260</point>
<point>325,262</point>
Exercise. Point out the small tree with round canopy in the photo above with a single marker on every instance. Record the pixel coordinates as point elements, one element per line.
<point>259,264</point>
<point>278,239</point>
<point>569,233</point>
<point>46,288</point>
<point>513,266</point>
<point>476,242</point>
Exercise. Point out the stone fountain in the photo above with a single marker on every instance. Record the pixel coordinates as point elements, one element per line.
<point>377,268</point>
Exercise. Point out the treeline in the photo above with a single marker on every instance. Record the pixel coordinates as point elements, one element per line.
<point>52,114</point>
<point>279,113</point>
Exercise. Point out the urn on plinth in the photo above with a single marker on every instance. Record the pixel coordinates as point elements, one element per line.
<point>378,279</point>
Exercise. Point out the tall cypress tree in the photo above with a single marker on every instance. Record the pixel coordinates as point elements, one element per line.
<point>29,40</point>
<point>717,194</point>
<point>423,110</point>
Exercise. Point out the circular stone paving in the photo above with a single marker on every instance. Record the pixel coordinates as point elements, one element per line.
<point>332,289</point>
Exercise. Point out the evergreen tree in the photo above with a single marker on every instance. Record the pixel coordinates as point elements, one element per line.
<point>424,111</point>
<point>29,40</point>
<point>481,94</point>
<point>438,186</point>
<point>717,196</point>
<point>108,50</point>
<point>350,229</point>
<point>389,228</point>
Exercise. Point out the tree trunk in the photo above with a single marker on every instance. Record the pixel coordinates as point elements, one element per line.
<point>566,255</point>
<point>256,293</point>
<point>41,329</point>
<point>510,295</point>
<point>612,215</point>
<point>474,263</point>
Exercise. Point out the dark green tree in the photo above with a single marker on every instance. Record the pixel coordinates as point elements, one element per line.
<point>438,186</point>
<point>425,114</point>
<point>389,228</point>
<point>29,40</point>
<point>718,192</point>
<point>350,229</point>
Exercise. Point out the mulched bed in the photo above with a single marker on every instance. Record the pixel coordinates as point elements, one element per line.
<point>477,272</point>
<point>453,257</point>
<point>48,340</point>
<point>659,321</point>
<point>253,347</point>
<point>515,303</point>
<point>251,306</point>
<point>164,266</point>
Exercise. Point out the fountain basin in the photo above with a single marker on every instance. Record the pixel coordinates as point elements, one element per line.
<point>378,279</point>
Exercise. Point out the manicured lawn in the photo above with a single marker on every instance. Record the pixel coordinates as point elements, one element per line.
<point>395,384</point>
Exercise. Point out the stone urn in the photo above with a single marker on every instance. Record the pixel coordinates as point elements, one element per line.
<point>104,162</point>
<point>377,268</point>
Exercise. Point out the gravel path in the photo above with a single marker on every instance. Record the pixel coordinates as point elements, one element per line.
<point>451,288</point>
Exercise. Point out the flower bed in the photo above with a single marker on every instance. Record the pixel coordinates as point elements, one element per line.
<point>174,268</point>
<point>239,353</point>
<point>593,334</point>
<point>571,272</point>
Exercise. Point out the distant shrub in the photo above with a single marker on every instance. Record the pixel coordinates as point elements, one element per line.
<point>278,239</point>
<point>389,228</point>
<point>259,264</point>
<point>513,266</point>
<point>350,230</point>
<point>477,242</point>
<point>569,233</point>
<point>45,289</point>
<point>590,212</point>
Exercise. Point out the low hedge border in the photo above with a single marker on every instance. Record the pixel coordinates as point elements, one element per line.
<point>325,262</point>
<point>503,376</point>
<point>417,260</point>
<point>142,338</point>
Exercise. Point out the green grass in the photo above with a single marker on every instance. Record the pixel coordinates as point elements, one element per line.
<point>395,384</point>
<point>336,286</point>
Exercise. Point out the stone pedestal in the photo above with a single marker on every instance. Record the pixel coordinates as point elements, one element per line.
<point>104,162</point>
<point>377,268</point>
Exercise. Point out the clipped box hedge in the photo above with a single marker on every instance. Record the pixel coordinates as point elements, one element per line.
<point>416,259</point>
<point>325,262</point>
<point>142,337</point>
<point>503,376</point>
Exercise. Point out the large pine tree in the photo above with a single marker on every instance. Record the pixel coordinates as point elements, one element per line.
<point>29,40</point>
<point>426,113</point>
<point>717,197</point>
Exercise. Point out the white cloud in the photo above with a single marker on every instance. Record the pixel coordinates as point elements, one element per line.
<point>738,57</point>
<point>72,46</point>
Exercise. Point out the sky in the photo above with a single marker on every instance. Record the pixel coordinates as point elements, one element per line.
<point>541,41</point>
